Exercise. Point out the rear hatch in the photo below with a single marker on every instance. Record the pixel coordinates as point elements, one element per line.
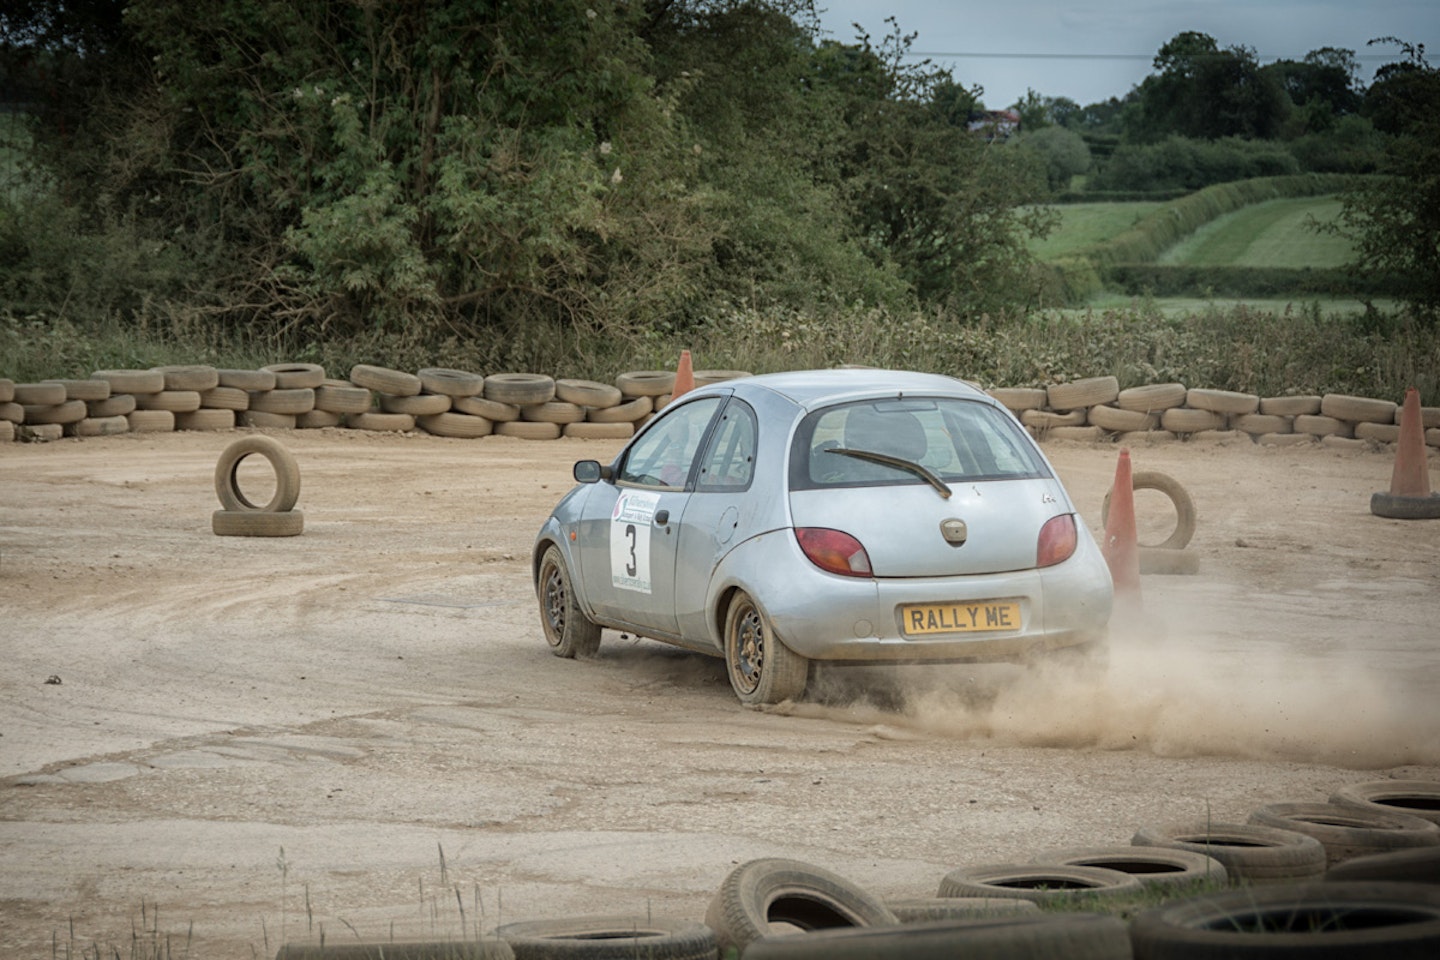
<point>902,527</point>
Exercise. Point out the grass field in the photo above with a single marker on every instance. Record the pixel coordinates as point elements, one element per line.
<point>1084,224</point>
<point>1277,233</point>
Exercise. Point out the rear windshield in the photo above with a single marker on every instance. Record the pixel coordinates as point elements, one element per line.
<point>958,440</point>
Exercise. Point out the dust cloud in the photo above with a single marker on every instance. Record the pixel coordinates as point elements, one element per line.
<point>1170,693</point>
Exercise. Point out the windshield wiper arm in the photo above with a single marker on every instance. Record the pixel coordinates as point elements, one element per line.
<point>908,466</point>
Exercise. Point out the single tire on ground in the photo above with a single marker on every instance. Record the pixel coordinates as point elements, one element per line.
<point>1250,853</point>
<point>397,383</point>
<point>248,523</point>
<point>1347,832</point>
<point>452,383</point>
<point>1073,936</point>
<point>1184,530</point>
<point>1418,798</point>
<point>1321,920</point>
<point>287,476</point>
<point>761,668</point>
<point>568,631</point>
<point>646,383</point>
<point>1043,883</point>
<point>296,376</point>
<point>1151,866</point>
<point>757,897</point>
<point>609,938</point>
<point>1395,507</point>
<point>519,388</point>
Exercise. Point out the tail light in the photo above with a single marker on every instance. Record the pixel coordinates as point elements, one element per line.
<point>1056,541</point>
<point>834,551</point>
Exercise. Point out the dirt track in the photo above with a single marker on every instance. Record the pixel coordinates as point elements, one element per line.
<point>375,700</point>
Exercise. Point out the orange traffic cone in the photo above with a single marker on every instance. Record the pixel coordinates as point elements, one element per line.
<point>1409,497</point>
<point>684,376</point>
<point>1122,547</point>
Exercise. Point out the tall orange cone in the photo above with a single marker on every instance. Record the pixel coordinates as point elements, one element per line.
<point>684,376</point>
<point>1409,497</point>
<point>1122,546</point>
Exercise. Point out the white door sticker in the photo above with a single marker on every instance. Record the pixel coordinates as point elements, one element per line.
<point>630,525</point>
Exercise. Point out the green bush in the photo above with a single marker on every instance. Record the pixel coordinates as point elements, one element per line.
<point>1179,280</point>
<point>1180,163</point>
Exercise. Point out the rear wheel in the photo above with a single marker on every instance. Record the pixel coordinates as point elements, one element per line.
<point>761,668</point>
<point>568,631</point>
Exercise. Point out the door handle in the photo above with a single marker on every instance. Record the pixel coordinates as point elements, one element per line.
<point>662,517</point>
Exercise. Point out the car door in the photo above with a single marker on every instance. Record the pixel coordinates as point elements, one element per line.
<point>629,538</point>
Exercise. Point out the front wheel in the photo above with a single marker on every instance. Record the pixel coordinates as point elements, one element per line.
<point>568,631</point>
<point>761,668</point>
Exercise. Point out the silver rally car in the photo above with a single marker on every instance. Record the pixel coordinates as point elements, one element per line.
<point>853,515</point>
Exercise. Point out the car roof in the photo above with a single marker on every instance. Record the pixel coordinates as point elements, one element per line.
<point>816,388</point>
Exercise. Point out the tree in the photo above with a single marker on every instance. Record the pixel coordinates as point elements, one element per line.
<point>1204,92</point>
<point>1062,154</point>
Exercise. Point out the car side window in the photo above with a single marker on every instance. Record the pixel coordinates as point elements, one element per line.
<point>729,461</point>
<point>663,455</point>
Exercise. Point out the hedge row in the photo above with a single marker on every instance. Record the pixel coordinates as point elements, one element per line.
<point>456,403</point>
<point>1179,280</point>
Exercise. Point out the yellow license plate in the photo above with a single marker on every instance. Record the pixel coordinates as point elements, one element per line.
<point>978,616</point>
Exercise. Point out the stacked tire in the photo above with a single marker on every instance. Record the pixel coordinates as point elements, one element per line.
<point>240,516</point>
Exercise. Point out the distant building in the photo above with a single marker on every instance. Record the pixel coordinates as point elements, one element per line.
<point>994,124</point>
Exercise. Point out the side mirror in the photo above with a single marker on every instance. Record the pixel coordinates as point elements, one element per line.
<point>588,471</point>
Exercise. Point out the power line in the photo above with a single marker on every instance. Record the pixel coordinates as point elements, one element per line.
<point>1109,56</point>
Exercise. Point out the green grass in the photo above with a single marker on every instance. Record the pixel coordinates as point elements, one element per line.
<point>1276,233</point>
<point>1085,224</point>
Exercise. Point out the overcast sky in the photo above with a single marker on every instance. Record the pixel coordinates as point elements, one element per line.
<point>1091,51</point>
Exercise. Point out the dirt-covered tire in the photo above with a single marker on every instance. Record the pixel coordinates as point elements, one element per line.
<point>291,401</point>
<point>1250,853</point>
<point>232,523</point>
<point>761,668</point>
<point>417,405</point>
<point>1416,865</point>
<point>452,383</point>
<point>87,390</point>
<point>460,426</point>
<point>1257,424</point>
<point>1167,562</point>
<point>628,412</point>
<point>1184,530</point>
<point>1153,867</point>
<point>96,427</point>
<point>1358,409</point>
<point>1042,883</point>
<point>599,431</point>
<point>1417,798</point>
<point>757,896</point>
<point>119,404</point>
<point>1228,402</point>
<point>552,411</point>
<point>609,938</point>
<point>519,389</point>
<point>151,421</point>
<point>287,476</point>
<point>317,419</point>
<point>489,409</point>
<point>1290,406</point>
<point>1190,420</point>
<point>397,383</point>
<point>225,398</point>
<point>703,378</point>
<point>67,411</point>
<point>1347,832</point>
<point>342,398</point>
<point>568,631</point>
<point>197,377</point>
<point>1323,426</point>
<point>176,401</point>
<point>1049,419</point>
<point>1018,399</point>
<point>1117,420</point>
<point>526,430</point>
<point>381,422</point>
<point>1152,397</point>
<point>1073,936</point>
<point>1314,920</point>
<point>1080,394</point>
<point>15,413</point>
<point>487,949</point>
<point>296,376</point>
<point>646,383</point>
<point>247,379</point>
<point>7,390</point>
<point>204,419</point>
<point>1395,507</point>
<point>266,421</point>
<point>930,909</point>
<point>132,381</point>
<point>587,393</point>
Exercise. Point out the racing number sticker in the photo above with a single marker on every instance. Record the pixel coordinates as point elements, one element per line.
<point>630,524</point>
